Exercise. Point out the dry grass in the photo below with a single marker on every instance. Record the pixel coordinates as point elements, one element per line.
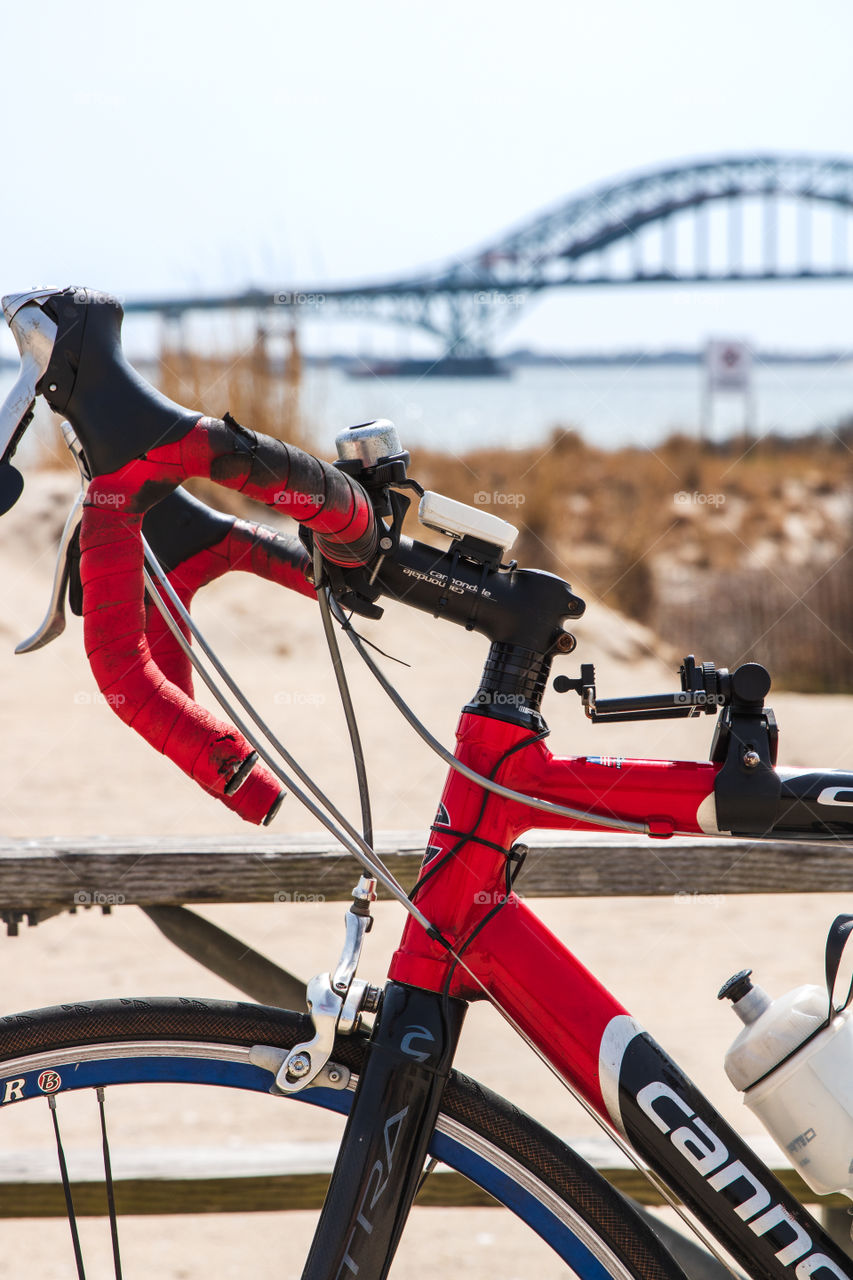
<point>736,550</point>
<point>733,550</point>
<point>591,509</point>
<point>249,385</point>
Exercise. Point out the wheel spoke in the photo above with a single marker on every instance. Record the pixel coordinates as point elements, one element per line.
<point>66,1187</point>
<point>108,1178</point>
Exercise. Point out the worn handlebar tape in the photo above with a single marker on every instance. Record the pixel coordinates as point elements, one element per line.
<point>118,629</point>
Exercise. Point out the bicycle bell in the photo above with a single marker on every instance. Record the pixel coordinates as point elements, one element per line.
<point>371,446</point>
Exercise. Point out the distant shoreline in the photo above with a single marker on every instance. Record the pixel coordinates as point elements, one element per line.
<point>524,359</point>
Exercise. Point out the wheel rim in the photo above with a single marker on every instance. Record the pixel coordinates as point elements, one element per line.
<point>76,1069</point>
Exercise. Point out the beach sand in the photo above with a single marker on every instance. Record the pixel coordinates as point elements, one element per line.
<point>71,768</point>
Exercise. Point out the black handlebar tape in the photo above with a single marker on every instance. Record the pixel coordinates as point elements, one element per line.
<point>181,526</point>
<point>305,487</point>
<point>115,413</point>
<point>118,417</point>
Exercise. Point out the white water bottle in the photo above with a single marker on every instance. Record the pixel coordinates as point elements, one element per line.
<point>793,1060</point>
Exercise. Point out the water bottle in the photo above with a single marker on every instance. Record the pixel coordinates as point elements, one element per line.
<point>793,1061</point>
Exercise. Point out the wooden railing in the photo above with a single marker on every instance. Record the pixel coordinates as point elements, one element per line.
<point>275,1177</point>
<point>41,877</point>
<point>49,875</point>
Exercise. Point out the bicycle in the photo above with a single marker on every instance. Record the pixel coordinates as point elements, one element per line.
<point>468,935</point>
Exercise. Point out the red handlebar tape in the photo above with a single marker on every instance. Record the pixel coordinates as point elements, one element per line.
<point>249,547</point>
<point>158,703</point>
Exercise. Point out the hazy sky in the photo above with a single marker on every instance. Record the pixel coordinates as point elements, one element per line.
<point>168,147</point>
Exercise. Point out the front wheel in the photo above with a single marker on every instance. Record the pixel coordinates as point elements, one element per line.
<point>177,1148</point>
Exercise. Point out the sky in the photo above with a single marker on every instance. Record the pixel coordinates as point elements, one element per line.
<point>173,147</point>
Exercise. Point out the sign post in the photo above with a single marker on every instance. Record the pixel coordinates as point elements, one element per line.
<point>728,367</point>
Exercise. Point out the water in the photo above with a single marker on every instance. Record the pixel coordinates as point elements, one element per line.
<point>609,406</point>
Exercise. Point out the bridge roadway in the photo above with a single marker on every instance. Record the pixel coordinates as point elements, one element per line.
<point>464,302</point>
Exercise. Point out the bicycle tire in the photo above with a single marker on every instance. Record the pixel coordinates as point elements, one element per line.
<point>510,1156</point>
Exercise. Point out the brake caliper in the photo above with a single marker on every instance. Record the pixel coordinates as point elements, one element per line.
<point>336,1003</point>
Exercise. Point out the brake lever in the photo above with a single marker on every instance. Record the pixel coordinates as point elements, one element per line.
<point>53,623</point>
<point>34,333</point>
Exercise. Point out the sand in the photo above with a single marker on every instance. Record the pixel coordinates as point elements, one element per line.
<point>71,768</point>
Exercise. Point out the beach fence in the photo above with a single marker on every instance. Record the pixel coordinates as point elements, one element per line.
<point>796,621</point>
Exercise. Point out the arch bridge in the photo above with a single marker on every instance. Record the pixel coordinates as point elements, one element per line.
<point>730,219</point>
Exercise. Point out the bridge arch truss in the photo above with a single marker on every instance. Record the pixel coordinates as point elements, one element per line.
<point>784,217</point>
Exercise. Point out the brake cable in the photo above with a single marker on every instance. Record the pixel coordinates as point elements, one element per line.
<point>328,815</point>
<point>358,847</point>
<point>346,700</point>
<point>329,606</point>
<point>560,810</point>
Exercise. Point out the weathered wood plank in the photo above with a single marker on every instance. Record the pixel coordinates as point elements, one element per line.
<point>258,1180</point>
<point>138,1196</point>
<point>173,871</point>
<point>58,873</point>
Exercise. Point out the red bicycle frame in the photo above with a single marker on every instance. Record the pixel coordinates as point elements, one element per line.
<point>528,971</point>
<point>577,1025</point>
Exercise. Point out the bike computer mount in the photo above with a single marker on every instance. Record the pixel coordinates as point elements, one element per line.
<point>745,743</point>
<point>704,687</point>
